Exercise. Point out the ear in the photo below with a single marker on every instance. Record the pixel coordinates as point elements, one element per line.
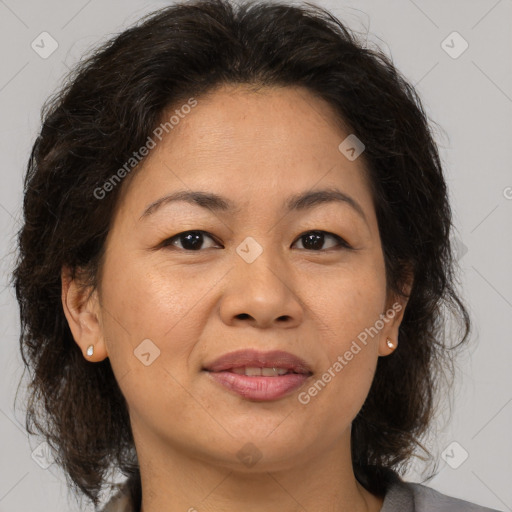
<point>83,313</point>
<point>392,318</point>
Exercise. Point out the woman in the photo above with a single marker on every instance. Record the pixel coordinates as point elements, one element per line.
<point>235,268</point>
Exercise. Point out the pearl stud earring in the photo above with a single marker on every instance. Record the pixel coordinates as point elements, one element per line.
<point>390,343</point>
<point>90,350</point>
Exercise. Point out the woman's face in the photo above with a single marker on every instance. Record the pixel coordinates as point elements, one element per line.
<point>256,278</point>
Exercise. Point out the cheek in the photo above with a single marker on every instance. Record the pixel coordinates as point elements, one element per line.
<point>157,305</point>
<point>349,308</point>
<point>148,299</point>
<point>349,303</point>
<point>350,356</point>
<point>144,305</point>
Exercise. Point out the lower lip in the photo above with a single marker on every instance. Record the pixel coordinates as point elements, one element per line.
<point>260,388</point>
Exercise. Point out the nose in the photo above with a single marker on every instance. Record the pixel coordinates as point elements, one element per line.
<point>261,294</point>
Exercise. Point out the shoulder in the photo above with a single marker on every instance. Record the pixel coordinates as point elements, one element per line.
<point>121,501</point>
<point>404,496</point>
<point>427,498</point>
<point>401,496</point>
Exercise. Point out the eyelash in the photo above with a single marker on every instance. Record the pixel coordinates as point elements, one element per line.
<point>342,244</point>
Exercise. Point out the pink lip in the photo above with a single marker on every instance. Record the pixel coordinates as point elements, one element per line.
<point>259,388</point>
<point>254,358</point>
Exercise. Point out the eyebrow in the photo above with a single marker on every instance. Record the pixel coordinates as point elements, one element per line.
<point>299,202</point>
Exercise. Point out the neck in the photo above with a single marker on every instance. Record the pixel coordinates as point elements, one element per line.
<point>175,481</point>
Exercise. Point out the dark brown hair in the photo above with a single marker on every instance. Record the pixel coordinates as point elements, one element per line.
<point>105,111</point>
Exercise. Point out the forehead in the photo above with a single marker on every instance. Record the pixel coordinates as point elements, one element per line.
<point>234,119</point>
<point>250,144</point>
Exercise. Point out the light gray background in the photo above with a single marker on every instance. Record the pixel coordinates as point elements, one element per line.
<point>470,97</point>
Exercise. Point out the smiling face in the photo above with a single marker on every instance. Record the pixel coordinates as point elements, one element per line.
<point>272,264</point>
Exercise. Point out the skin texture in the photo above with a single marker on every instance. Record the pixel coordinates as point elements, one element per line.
<point>256,149</point>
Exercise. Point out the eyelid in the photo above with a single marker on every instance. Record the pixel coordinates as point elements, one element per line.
<point>341,242</point>
<point>168,241</point>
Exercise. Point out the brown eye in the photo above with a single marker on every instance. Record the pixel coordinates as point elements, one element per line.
<point>314,241</point>
<point>189,240</point>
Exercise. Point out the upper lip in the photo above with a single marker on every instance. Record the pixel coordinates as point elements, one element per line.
<point>257,359</point>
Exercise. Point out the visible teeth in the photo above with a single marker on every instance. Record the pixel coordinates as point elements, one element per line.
<point>265,372</point>
<point>252,371</point>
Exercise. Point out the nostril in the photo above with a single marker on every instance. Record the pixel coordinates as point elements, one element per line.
<point>243,316</point>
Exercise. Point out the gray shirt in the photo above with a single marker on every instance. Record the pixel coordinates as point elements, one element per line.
<point>410,497</point>
<point>400,496</point>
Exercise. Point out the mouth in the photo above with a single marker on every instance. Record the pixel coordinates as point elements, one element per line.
<point>259,376</point>
<point>253,361</point>
<point>256,371</point>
